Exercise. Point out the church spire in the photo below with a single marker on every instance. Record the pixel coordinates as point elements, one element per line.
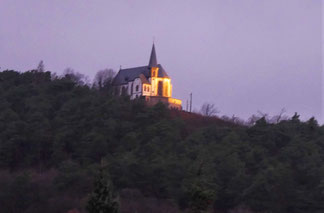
<point>153,60</point>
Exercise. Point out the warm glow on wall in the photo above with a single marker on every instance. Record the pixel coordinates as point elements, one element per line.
<point>167,87</point>
<point>175,101</point>
<point>155,71</point>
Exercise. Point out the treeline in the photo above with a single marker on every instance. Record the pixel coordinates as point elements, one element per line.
<point>57,131</point>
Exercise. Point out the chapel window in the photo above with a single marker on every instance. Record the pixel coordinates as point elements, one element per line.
<point>137,87</point>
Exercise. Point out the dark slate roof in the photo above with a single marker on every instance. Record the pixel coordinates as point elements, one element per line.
<point>130,74</point>
<point>143,79</point>
<point>153,60</point>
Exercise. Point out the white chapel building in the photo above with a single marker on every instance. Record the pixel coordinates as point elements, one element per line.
<point>150,82</point>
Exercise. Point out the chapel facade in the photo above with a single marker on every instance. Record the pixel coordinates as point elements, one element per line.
<point>150,82</point>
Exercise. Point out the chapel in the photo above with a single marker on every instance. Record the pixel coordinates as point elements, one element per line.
<point>150,82</point>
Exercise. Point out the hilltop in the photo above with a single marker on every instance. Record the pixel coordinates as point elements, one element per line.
<point>57,131</point>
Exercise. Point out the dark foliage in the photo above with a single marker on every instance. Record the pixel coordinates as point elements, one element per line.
<point>102,200</point>
<point>55,132</point>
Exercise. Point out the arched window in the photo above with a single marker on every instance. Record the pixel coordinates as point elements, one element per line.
<point>144,88</point>
<point>153,73</point>
<point>137,87</point>
<point>166,89</point>
<point>160,88</point>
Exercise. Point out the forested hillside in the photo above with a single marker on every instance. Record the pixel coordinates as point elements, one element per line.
<point>56,133</point>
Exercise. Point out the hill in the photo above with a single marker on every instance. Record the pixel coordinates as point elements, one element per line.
<point>56,132</point>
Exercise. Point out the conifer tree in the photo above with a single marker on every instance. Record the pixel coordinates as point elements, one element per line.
<point>41,66</point>
<point>102,199</point>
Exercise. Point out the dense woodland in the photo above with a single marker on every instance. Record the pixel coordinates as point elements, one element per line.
<point>61,138</point>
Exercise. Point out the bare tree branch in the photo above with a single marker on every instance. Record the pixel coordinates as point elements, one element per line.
<point>209,110</point>
<point>104,78</point>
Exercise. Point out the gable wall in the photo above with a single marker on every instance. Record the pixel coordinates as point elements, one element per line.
<point>136,84</point>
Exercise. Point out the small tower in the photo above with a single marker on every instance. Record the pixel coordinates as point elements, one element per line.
<point>153,66</point>
<point>153,60</point>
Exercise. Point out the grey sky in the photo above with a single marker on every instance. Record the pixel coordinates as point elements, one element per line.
<point>241,55</point>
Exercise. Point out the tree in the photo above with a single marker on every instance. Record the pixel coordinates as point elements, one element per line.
<point>280,117</point>
<point>104,78</point>
<point>76,77</point>
<point>41,66</point>
<point>209,110</point>
<point>102,199</point>
<point>200,198</point>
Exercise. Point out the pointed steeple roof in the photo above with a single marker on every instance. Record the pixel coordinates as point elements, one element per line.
<point>153,60</point>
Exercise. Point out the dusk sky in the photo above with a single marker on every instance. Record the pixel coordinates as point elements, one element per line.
<point>241,55</point>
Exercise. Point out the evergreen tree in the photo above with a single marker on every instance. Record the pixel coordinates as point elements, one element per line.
<point>41,66</point>
<point>102,199</point>
<point>200,198</point>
